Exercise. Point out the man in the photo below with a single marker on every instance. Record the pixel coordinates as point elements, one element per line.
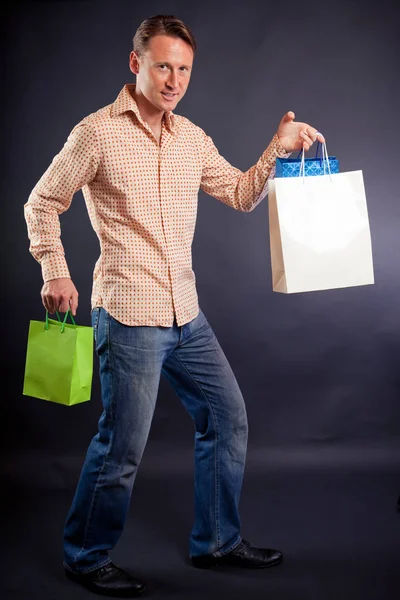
<point>140,167</point>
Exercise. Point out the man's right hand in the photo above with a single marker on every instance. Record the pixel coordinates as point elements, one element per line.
<point>60,295</point>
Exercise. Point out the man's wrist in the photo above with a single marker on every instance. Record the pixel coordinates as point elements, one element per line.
<point>280,148</point>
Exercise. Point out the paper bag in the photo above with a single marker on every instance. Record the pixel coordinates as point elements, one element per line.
<point>319,233</point>
<point>59,361</point>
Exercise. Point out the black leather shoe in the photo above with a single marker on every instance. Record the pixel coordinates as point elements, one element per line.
<point>109,581</point>
<point>243,555</point>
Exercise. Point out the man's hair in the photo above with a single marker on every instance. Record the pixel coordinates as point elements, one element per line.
<point>161,25</point>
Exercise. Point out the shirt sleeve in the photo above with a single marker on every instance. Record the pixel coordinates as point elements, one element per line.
<point>71,169</point>
<point>241,190</point>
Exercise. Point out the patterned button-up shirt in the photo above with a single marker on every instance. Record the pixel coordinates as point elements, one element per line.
<point>141,197</point>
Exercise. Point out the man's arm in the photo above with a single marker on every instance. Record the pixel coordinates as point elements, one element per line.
<point>70,170</point>
<point>242,191</point>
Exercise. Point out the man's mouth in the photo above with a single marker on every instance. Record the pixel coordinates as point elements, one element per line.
<point>168,96</point>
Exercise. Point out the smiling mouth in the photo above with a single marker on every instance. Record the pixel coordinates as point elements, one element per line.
<point>168,96</point>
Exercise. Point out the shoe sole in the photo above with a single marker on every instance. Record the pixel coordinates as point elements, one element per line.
<point>110,593</point>
<point>209,564</point>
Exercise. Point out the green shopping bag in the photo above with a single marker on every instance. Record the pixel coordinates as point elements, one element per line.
<point>59,361</point>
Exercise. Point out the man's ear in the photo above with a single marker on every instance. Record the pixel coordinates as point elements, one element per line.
<point>134,62</point>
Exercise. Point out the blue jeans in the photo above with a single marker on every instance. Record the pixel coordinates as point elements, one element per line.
<point>131,361</point>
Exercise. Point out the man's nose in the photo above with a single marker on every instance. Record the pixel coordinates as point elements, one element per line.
<point>173,79</point>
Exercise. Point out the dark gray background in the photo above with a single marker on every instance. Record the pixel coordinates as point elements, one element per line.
<point>319,371</point>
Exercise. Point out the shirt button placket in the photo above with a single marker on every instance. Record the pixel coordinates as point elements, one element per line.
<point>165,221</point>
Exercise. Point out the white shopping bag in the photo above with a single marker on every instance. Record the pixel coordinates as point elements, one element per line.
<point>319,232</point>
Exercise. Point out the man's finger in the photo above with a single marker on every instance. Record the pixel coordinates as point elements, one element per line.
<point>48,303</point>
<point>74,303</point>
<point>306,138</point>
<point>289,116</point>
<point>55,304</point>
<point>64,304</point>
<point>316,135</point>
<point>45,304</point>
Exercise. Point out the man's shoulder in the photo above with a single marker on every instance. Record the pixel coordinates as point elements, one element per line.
<point>186,126</point>
<point>97,119</point>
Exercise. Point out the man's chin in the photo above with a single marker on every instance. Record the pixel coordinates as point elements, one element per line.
<point>169,105</point>
<point>164,105</point>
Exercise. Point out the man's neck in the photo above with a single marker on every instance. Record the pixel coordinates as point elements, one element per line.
<point>148,112</point>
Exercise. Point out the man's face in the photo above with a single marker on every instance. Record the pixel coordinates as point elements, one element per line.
<point>163,71</point>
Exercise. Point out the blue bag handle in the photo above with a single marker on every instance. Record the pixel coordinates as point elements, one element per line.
<point>316,153</point>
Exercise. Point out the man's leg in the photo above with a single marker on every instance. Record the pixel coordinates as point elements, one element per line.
<point>130,368</point>
<point>200,373</point>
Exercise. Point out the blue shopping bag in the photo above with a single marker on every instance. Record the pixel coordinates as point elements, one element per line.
<point>290,167</point>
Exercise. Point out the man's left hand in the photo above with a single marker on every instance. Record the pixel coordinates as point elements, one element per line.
<point>295,135</point>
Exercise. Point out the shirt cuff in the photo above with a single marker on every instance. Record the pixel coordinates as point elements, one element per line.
<point>54,266</point>
<point>280,150</point>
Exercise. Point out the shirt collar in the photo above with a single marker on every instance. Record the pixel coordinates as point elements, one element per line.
<point>125,102</point>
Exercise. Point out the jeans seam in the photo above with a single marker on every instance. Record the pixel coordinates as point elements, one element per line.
<point>86,571</point>
<point>96,322</point>
<point>95,493</point>
<point>190,337</point>
<point>231,547</point>
<point>216,505</point>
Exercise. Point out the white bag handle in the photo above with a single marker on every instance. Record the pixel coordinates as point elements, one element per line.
<point>324,158</point>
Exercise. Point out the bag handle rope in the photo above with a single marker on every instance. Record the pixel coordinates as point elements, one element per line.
<point>325,160</point>
<point>59,319</point>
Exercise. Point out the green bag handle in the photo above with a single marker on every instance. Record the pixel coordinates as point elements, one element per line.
<point>59,318</point>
